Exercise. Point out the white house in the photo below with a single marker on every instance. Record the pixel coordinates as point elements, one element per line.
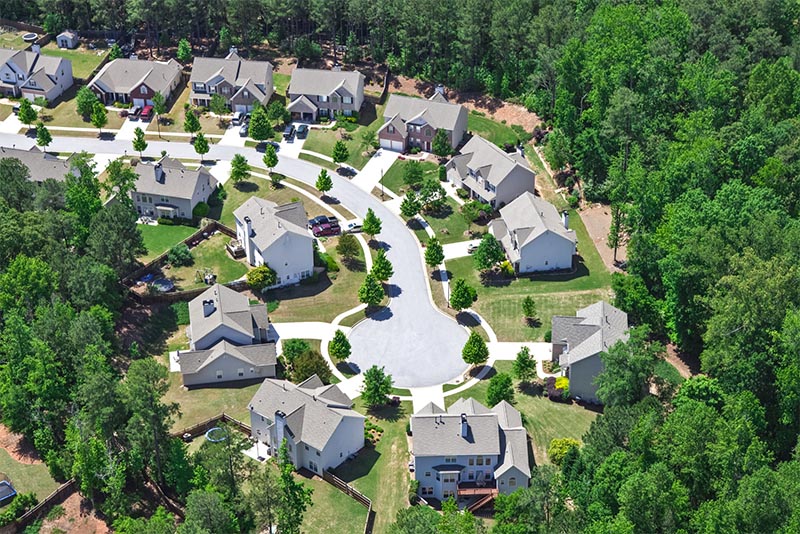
<point>317,421</point>
<point>31,74</point>
<point>579,340</point>
<point>226,362</point>
<point>469,452</point>
<point>220,313</point>
<point>276,236</point>
<point>534,236</point>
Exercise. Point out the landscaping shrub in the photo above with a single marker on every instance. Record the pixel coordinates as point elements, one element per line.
<point>559,447</point>
<point>507,269</point>
<point>562,383</point>
<point>181,310</point>
<point>21,504</point>
<point>261,277</point>
<point>548,336</point>
<point>443,173</point>
<point>415,150</point>
<point>329,263</point>
<point>462,193</point>
<point>553,393</point>
<point>200,210</point>
<point>574,201</point>
<point>166,221</point>
<point>413,488</point>
<point>180,255</point>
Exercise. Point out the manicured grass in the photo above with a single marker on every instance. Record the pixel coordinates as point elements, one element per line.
<point>12,39</point>
<point>161,238</point>
<point>84,61</point>
<point>448,225</point>
<point>332,510</point>
<point>209,254</point>
<point>27,477</point>
<point>544,419</point>
<point>172,121</point>
<point>381,472</point>
<point>261,188</point>
<point>323,140</point>
<point>490,130</point>
<point>5,111</point>
<point>393,178</point>
<point>667,371</point>
<point>324,299</point>
<point>281,82</point>
<point>318,161</point>
<point>64,113</point>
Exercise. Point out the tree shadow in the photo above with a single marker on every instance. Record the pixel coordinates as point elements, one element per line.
<point>437,275</point>
<point>360,466</point>
<point>532,322</point>
<point>467,319</point>
<point>476,371</point>
<point>367,114</point>
<point>444,213</point>
<point>414,224</point>
<point>327,199</point>
<point>246,187</point>
<point>379,314</point>
<point>355,264</point>
<point>348,368</point>
<point>392,290</point>
<point>387,412</point>
<point>106,136</point>
<point>306,289</point>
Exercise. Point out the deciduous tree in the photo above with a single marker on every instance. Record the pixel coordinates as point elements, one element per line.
<point>412,174</point>
<point>184,53</point>
<point>139,142</point>
<point>629,365</point>
<point>27,115</point>
<point>340,152</point>
<point>441,144</point>
<point>191,124</point>
<point>462,295</point>
<point>339,346</point>
<point>371,291</point>
<point>260,128</point>
<point>324,182</point>
<point>261,277</point>
<point>501,388</point>
<point>270,158</point>
<point>409,206</point>
<point>475,351</point>
<point>294,495</point>
<point>348,246</point>
<point>85,100</point>
<point>372,224</point>
<point>381,266</point>
<point>201,145</point>
<point>488,253</point>
<point>377,386</point>
<point>99,116</point>
<point>524,366</point>
<point>240,169</point>
<point>434,253</point>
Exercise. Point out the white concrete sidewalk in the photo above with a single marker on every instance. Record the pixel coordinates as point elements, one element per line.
<point>101,161</point>
<point>377,166</point>
<point>231,137</point>
<point>422,396</point>
<point>352,386</point>
<point>458,250</point>
<point>174,366</point>
<point>221,170</point>
<point>11,125</point>
<point>308,330</point>
<point>126,131</point>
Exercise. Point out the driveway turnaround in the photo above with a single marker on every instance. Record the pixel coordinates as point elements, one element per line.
<point>416,343</point>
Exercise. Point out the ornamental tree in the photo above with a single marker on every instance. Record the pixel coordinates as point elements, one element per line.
<point>434,253</point>
<point>339,346</point>
<point>413,175</point>
<point>501,388</point>
<point>371,291</point>
<point>475,351</point>
<point>240,169</point>
<point>489,252</point>
<point>27,115</point>
<point>43,137</point>
<point>261,277</point>
<point>529,310</point>
<point>441,144</point>
<point>462,295</point>
<point>377,386</point>
<point>184,51</point>
<point>218,104</point>
<point>259,128</point>
<point>524,366</point>
<point>191,124</point>
<point>381,267</point>
<point>85,101</point>
<point>348,246</point>
<point>324,182</point>
<point>270,158</point>
<point>99,116</point>
<point>409,206</point>
<point>340,152</point>
<point>139,142</point>
<point>201,145</point>
<point>159,108</point>
<point>372,224</point>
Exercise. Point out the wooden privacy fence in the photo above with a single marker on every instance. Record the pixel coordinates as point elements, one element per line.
<point>57,497</point>
<point>349,490</point>
<point>204,426</point>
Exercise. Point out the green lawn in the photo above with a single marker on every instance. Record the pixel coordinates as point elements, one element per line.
<point>161,238</point>
<point>27,477</point>
<point>490,130</point>
<point>393,178</point>
<point>318,161</point>
<point>5,111</point>
<point>262,188</point>
<point>561,294</point>
<point>322,140</point>
<point>381,472</point>
<point>544,419</point>
<point>84,61</point>
<point>332,511</point>
<point>281,82</point>
<point>64,113</point>
<point>172,120</point>
<point>210,254</point>
<point>448,225</point>
<point>12,39</point>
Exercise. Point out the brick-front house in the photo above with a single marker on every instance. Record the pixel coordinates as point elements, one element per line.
<point>30,74</point>
<point>315,93</point>
<point>136,81</point>
<point>413,122</point>
<point>241,82</point>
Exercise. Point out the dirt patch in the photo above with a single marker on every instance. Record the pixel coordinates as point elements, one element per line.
<point>19,448</point>
<point>78,517</point>
<point>597,218</point>
<point>497,109</point>
<point>687,365</point>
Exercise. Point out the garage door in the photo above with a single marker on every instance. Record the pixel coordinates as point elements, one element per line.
<point>385,143</point>
<point>139,102</point>
<point>392,145</point>
<point>242,108</point>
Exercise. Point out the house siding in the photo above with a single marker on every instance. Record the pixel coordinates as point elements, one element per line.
<point>146,205</point>
<point>503,481</point>
<point>518,181</point>
<point>582,375</point>
<point>291,256</point>
<point>548,252</point>
<point>230,372</point>
<point>426,475</point>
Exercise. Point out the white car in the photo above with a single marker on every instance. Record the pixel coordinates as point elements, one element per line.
<point>353,227</point>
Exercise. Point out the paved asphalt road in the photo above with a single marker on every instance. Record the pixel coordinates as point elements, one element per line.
<point>417,344</point>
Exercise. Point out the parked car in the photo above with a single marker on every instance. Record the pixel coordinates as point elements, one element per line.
<point>472,248</point>
<point>302,131</point>
<point>326,229</point>
<point>134,113</point>
<point>237,118</point>
<point>353,227</point>
<point>15,109</point>
<point>147,113</point>
<point>288,132</point>
<point>323,219</point>
<point>244,129</point>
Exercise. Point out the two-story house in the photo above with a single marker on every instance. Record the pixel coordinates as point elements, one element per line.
<point>168,189</point>
<point>469,452</point>
<point>41,165</point>
<point>413,122</point>
<point>241,82</point>
<point>276,236</point>
<point>31,74</point>
<point>579,340</point>
<point>136,81</point>
<point>317,421</point>
<point>534,236</point>
<point>229,340</point>
<point>489,174</point>
<point>315,93</point>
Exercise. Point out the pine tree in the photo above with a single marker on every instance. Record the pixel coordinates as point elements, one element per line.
<point>381,267</point>
<point>339,346</point>
<point>475,351</point>
<point>371,291</point>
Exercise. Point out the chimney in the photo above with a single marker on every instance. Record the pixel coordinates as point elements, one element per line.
<point>337,68</point>
<point>208,307</point>
<point>233,50</point>
<point>440,89</point>
<point>248,233</point>
<point>464,426</point>
<point>36,49</point>
<point>133,56</point>
<point>565,219</point>
<point>159,171</point>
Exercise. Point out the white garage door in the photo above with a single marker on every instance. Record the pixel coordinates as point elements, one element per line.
<point>139,102</point>
<point>242,108</point>
<point>385,143</point>
<point>392,145</point>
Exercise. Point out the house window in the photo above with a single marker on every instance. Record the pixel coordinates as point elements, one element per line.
<point>471,461</point>
<point>449,478</point>
<point>348,112</point>
<point>317,453</point>
<point>322,98</point>
<point>306,447</point>
<point>448,493</point>
<point>512,482</point>
<point>241,371</point>
<point>471,475</point>
<point>488,476</point>
<point>138,198</point>
<point>246,94</point>
<point>427,474</point>
<point>427,490</point>
<point>252,370</point>
<point>219,375</point>
<point>226,90</point>
<point>449,459</point>
<point>313,466</point>
<point>143,90</point>
<point>347,100</point>
<point>428,132</point>
<point>390,129</point>
<point>480,460</point>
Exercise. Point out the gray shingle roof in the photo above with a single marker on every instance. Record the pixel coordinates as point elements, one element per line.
<point>41,165</point>
<point>121,75</point>
<point>259,355</point>
<point>529,216</point>
<point>169,177</point>
<point>593,330</point>
<point>312,414</point>
<point>233,69</point>
<point>487,159</point>
<point>230,308</point>
<point>43,69</point>
<point>270,221</point>
<point>434,112</point>
<point>324,82</point>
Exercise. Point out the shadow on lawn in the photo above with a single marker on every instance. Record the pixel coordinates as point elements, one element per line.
<point>359,467</point>
<point>437,275</point>
<point>246,187</point>
<point>387,412</point>
<point>297,292</point>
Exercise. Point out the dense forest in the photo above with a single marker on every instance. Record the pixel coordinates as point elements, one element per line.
<point>682,115</point>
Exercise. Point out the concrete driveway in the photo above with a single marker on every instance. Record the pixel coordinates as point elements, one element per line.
<point>458,250</point>
<point>418,344</point>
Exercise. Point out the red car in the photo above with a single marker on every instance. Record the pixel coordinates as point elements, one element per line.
<point>326,229</point>
<point>147,113</point>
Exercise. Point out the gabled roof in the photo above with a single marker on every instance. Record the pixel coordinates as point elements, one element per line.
<point>41,81</point>
<point>72,34</point>
<point>228,308</point>
<point>258,355</point>
<point>233,69</point>
<point>250,86</point>
<point>302,104</point>
<point>324,82</point>
<point>40,164</point>
<point>487,159</point>
<point>122,75</point>
<point>169,177</point>
<point>28,62</point>
<point>529,216</point>
<point>434,112</point>
<point>593,330</point>
<point>270,222</point>
<point>438,433</point>
<point>313,412</point>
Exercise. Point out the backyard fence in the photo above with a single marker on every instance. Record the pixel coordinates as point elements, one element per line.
<point>204,426</point>
<point>21,26</point>
<point>349,490</point>
<point>57,497</point>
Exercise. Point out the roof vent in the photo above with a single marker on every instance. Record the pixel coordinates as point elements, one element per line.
<point>337,68</point>
<point>133,57</point>
<point>440,89</point>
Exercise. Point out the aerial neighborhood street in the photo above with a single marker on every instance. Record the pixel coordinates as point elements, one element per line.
<point>287,273</point>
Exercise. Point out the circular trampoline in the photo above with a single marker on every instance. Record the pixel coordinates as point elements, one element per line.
<point>216,434</point>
